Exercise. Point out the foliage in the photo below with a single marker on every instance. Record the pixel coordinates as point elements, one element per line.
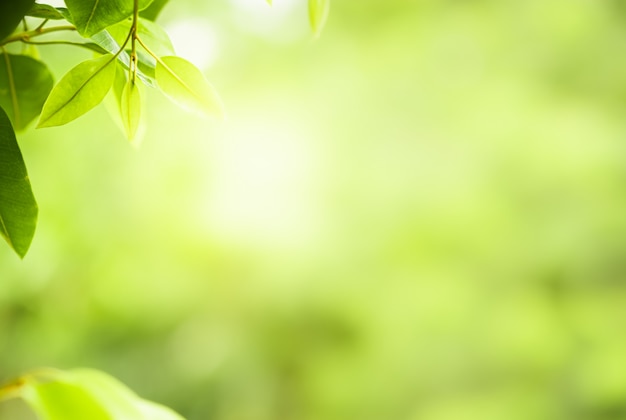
<point>81,394</point>
<point>130,47</point>
<point>131,51</point>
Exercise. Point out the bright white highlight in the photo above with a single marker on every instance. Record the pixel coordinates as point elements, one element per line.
<point>274,22</point>
<point>264,191</point>
<point>194,40</point>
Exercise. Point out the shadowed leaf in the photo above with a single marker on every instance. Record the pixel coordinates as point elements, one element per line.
<point>24,86</point>
<point>18,208</point>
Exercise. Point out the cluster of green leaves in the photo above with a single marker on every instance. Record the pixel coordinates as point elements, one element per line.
<point>131,51</point>
<point>82,394</point>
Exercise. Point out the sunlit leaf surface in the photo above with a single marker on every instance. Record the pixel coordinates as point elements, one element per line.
<point>130,108</point>
<point>186,86</point>
<point>81,89</point>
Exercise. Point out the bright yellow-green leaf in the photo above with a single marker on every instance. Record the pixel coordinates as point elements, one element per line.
<point>86,394</point>
<point>187,87</point>
<point>81,89</point>
<point>59,400</point>
<point>269,2</point>
<point>151,34</point>
<point>130,108</point>
<point>153,411</point>
<point>113,100</point>
<point>318,13</point>
<point>119,401</point>
<point>18,208</point>
<point>24,86</point>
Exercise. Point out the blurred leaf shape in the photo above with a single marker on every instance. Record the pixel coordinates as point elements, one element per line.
<point>81,89</point>
<point>151,34</point>
<point>25,83</point>
<point>11,13</point>
<point>87,394</point>
<point>318,13</point>
<point>185,85</point>
<point>130,108</point>
<point>45,11</point>
<point>18,208</point>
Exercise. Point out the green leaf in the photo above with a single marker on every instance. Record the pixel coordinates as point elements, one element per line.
<point>151,34</point>
<point>130,108</point>
<point>153,11</point>
<point>269,2</point>
<point>153,411</point>
<point>92,16</point>
<point>87,394</point>
<point>24,86</point>
<point>105,40</point>
<point>60,400</point>
<point>18,208</point>
<point>45,11</point>
<point>318,13</point>
<point>187,87</point>
<point>81,89</point>
<point>119,401</point>
<point>11,14</point>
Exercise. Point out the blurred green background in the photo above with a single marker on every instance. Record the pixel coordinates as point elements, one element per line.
<point>419,216</point>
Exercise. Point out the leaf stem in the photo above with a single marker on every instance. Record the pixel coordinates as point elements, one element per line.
<point>133,52</point>
<point>41,25</point>
<point>89,46</point>
<point>149,51</point>
<point>26,35</point>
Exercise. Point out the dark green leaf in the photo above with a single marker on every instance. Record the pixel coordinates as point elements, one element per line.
<point>81,89</point>
<point>24,86</point>
<point>153,11</point>
<point>92,16</point>
<point>11,14</point>
<point>18,208</point>
<point>45,11</point>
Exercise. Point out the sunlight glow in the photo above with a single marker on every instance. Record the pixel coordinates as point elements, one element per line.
<point>194,40</point>
<point>265,186</point>
<point>277,23</point>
